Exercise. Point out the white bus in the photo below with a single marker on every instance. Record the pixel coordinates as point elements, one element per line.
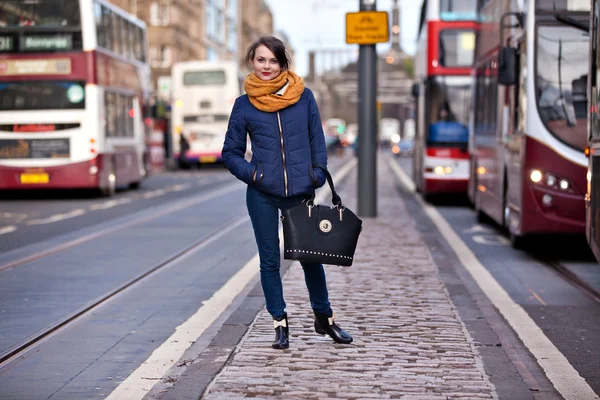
<point>74,88</point>
<point>203,95</point>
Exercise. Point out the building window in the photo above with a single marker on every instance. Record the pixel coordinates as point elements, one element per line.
<point>160,56</point>
<point>210,21</point>
<point>159,14</point>
<point>220,26</point>
<point>232,9</point>
<point>212,54</point>
<point>215,21</point>
<point>231,36</point>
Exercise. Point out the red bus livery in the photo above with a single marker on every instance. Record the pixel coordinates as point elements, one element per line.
<point>529,116</point>
<point>74,87</point>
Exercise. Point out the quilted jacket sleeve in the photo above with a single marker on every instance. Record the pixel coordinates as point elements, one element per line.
<point>234,147</point>
<point>318,147</point>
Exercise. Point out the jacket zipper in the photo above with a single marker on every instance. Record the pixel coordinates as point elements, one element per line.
<point>285,180</point>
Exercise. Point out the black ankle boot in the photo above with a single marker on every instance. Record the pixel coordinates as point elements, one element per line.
<point>282,333</point>
<point>325,325</point>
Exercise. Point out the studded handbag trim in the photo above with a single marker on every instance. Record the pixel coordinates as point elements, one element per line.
<point>318,253</point>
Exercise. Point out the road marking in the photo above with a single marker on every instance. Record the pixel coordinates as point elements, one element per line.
<point>181,186</point>
<point>537,296</point>
<point>561,373</point>
<point>490,240</point>
<point>154,193</point>
<point>57,217</point>
<point>7,229</point>
<point>13,216</point>
<point>141,381</point>
<point>110,204</point>
<point>477,229</point>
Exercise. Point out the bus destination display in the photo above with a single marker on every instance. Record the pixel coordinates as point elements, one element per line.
<point>36,43</point>
<point>46,43</point>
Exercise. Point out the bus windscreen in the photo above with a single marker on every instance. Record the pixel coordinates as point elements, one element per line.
<point>203,78</point>
<point>42,95</point>
<point>448,107</point>
<point>457,47</point>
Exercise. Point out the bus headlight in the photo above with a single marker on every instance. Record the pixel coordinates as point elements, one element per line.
<point>536,176</point>
<point>93,170</point>
<point>395,138</point>
<point>439,170</point>
<point>564,184</point>
<point>550,180</point>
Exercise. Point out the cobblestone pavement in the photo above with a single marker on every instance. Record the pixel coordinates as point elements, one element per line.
<point>409,342</point>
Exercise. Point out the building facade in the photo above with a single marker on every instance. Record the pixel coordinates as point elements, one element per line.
<point>184,30</point>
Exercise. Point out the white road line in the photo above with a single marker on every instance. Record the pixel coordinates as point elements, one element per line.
<point>561,373</point>
<point>141,381</point>
<point>110,204</point>
<point>181,186</point>
<point>57,217</point>
<point>7,229</point>
<point>154,193</point>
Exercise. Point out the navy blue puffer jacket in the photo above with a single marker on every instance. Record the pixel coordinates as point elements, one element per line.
<point>286,145</point>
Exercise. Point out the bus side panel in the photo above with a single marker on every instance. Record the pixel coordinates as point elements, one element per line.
<point>68,176</point>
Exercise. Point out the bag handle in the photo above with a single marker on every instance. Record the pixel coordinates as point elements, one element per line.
<point>336,200</point>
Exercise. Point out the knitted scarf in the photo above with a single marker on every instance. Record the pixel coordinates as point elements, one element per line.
<point>262,93</point>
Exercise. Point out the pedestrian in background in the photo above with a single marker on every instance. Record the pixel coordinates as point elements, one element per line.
<point>283,121</point>
<point>184,146</point>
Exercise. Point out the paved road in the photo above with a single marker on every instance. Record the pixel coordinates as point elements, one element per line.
<point>567,315</point>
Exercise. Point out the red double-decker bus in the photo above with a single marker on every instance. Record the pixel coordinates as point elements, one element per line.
<point>74,87</point>
<point>530,116</point>
<point>443,66</point>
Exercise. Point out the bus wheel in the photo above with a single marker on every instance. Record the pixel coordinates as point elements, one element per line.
<point>517,242</point>
<point>481,217</point>
<point>111,189</point>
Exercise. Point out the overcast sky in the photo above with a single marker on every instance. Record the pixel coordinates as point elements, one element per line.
<point>315,24</point>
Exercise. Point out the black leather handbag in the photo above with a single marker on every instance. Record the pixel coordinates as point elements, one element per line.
<point>321,234</point>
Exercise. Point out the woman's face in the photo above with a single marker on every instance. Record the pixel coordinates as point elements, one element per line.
<point>265,65</point>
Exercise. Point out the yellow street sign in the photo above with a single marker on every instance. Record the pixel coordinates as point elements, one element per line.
<point>367,27</point>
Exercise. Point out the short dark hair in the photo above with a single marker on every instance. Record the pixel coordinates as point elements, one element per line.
<point>276,46</point>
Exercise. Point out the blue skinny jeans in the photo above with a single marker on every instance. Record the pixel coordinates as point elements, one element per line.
<point>264,213</point>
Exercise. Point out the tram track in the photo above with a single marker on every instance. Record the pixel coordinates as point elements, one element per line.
<point>571,277</point>
<point>41,336</point>
<point>120,226</point>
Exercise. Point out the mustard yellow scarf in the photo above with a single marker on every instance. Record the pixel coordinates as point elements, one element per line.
<point>262,93</point>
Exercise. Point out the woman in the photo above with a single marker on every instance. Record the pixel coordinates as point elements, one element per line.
<point>282,119</point>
